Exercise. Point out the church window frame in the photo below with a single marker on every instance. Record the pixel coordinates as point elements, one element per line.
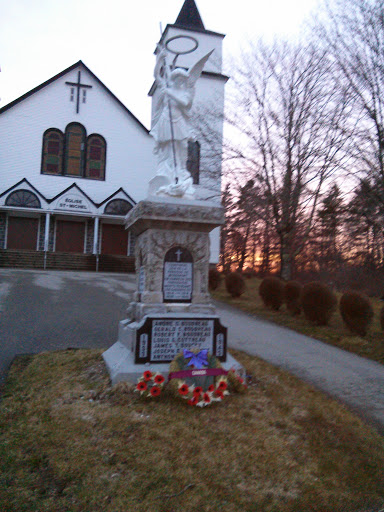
<point>96,154</point>
<point>118,206</point>
<point>23,198</point>
<point>52,152</point>
<point>193,160</point>
<point>73,154</point>
<point>75,141</point>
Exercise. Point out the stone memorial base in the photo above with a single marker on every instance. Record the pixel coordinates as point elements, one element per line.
<point>171,308</point>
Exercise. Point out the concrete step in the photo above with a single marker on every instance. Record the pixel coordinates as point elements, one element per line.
<point>112,263</point>
<point>65,261</point>
<point>21,259</point>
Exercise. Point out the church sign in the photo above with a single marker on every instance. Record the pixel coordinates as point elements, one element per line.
<point>178,275</point>
<point>159,340</point>
<point>73,203</point>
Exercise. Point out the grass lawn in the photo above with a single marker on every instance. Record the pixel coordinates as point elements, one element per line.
<point>70,443</point>
<point>371,346</point>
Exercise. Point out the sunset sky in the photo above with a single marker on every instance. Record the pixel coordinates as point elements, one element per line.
<point>116,38</point>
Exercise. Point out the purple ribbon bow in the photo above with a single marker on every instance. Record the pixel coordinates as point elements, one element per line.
<point>198,360</point>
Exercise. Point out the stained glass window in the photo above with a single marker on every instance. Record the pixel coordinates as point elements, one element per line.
<point>117,207</point>
<point>74,149</point>
<point>23,198</point>
<point>73,154</point>
<point>53,142</point>
<point>95,162</point>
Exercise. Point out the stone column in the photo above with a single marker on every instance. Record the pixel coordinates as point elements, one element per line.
<point>96,235</point>
<point>46,234</point>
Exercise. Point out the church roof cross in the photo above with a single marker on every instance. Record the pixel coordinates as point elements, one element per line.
<point>79,86</point>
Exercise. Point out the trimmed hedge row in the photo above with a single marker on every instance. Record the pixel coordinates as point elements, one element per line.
<point>318,303</point>
<point>316,300</point>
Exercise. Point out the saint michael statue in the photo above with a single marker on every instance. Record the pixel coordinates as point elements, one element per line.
<point>171,127</point>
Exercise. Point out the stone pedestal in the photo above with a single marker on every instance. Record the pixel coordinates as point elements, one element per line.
<point>171,308</point>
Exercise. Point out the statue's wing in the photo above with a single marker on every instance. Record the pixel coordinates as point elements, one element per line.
<point>196,70</point>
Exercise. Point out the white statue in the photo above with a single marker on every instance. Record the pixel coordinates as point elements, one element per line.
<point>171,127</point>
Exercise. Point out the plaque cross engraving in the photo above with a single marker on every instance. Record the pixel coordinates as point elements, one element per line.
<point>178,254</point>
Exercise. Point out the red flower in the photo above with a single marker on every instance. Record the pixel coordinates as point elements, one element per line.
<point>147,375</point>
<point>241,380</point>
<point>207,399</point>
<point>184,389</point>
<point>193,400</point>
<point>155,391</point>
<point>219,394</point>
<point>159,379</point>
<point>141,386</point>
<point>211,388</point>
<point>197,391</point>
<point>222,385</point>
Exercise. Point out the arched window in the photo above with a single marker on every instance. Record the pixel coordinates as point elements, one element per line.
<point>95,161</point>
<point>52,160</point>
<point>74,149</point>
<point>193,162</point>
<point>74,154</point>
<point>23,198</point>
<point>117,207</point>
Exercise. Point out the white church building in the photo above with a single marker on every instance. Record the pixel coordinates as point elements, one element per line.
<point>74,160</point>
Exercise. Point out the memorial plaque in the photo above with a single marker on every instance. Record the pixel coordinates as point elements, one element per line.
<point>159,340</point>
<point>169,337</point>
<point>178,275</point>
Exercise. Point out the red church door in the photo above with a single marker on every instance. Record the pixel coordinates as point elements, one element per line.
<point>114,239</point>
<point>22,233</point>
<point>70,236</point>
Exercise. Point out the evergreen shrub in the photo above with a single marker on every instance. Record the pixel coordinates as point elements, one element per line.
<point>356,312</point>
<point>271,291</point>
<point>214,279</point>
<point>292,292</point>
<point>235,284</point>
<point>382,318</point>
<point>318,302</point>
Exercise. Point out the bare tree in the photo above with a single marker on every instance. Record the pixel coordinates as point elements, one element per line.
<point>287,118</point>
<point>353,33</point>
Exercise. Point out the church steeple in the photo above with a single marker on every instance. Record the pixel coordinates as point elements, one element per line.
<point>189,17</point>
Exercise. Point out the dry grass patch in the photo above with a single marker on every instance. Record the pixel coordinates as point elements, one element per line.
<point>72,443</point>
<point>371,346</point>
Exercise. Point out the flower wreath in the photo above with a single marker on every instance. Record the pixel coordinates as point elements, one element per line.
<point>198,377</point>
<point>150,384</point>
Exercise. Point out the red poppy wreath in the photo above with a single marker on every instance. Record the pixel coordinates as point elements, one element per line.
<point>198,377</point>
<point>150,384</point>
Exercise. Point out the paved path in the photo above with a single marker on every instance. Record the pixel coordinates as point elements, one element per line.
<point>54,310</point>
<point>352,379</point>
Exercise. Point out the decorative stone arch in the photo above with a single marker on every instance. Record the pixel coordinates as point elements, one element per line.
<point>117,207</point>
<point>23,198</point>
<point>154,244</point>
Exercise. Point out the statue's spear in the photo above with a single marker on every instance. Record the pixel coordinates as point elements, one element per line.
<point>169,108</point>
